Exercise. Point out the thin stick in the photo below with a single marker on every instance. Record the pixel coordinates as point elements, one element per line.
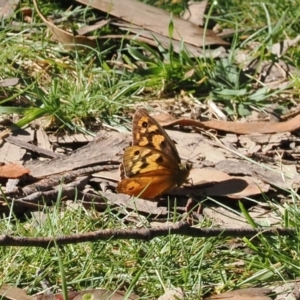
<point>182,228</point>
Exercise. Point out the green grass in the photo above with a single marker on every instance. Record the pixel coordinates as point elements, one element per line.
<point>75,87</point>
<point>76,91</point>
<point>197,265</point>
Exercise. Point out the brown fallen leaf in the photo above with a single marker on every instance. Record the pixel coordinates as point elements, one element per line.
<point>281,47</point>
<point>151,38</point>
<point>89,294</point>
<point>281,176</point>
<point>64,37</point>
<point>274,75</point>
<point>243,294</point>
<point>11,153</point>
<point>104,295</point>
<point>147,17</point>
<point>13,171</point>
<point>7,8</point>
<point>225,218</point>
<point>172,294</point>
<point>267,139</point>
<point>239,128</point>
<point>13,293</point>
<point>234,187</point>
<point>89,28</point>
<point>71,296</point>
<point>287,290</point>
<point>195,12</point>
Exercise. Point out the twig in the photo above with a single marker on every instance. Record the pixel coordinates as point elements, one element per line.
<point>18,142</point>
<point>182,228</point>
<point>53,180</point>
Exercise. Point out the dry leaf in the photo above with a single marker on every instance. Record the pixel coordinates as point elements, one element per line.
<point>146,16</point>
<point>104,295</point>
<point>11,153</point>
<point>287,290</point>
<point>86,29</point>
<point>280,48</point>
<point>151,38</point>
<point>71,296</point>
<point>7,8</point>
<point>234,187</point>
<point>43,139</point>
<point>64,37</point>
<point>283,176</point>
<point>13,293</point>
<point>172,294</point>
<point>13,171</point>
<point>244,294</point>
<point>225,218</point>
<point>241,128</point>
<point>195,12</point>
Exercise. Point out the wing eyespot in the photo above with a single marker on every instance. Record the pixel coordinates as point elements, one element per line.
<point>160,160</point>
<point>163,144</point>
<point>137,152</point>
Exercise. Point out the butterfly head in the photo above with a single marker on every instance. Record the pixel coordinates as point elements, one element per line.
<point>185,168</point>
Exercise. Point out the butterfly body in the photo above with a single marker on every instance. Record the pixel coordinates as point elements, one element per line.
<point>151,166</point>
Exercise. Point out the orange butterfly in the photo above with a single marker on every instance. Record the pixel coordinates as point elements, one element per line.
<point>151,166</point>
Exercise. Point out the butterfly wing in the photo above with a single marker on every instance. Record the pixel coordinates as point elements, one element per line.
<point>147,187</point>
<point>139,160</point>
<point>148,133</point>
<point>151,166</point>
<point>149,172</point>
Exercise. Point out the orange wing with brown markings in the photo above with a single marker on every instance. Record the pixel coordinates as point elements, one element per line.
<point>148,133</point>
<point>152,165</point>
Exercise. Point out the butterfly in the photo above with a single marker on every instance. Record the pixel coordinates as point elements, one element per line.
<point>151,166</point>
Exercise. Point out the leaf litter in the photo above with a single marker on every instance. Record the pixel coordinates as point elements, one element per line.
<point>223,164</point>
<point>15,293</point>
<point>235,175</point>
